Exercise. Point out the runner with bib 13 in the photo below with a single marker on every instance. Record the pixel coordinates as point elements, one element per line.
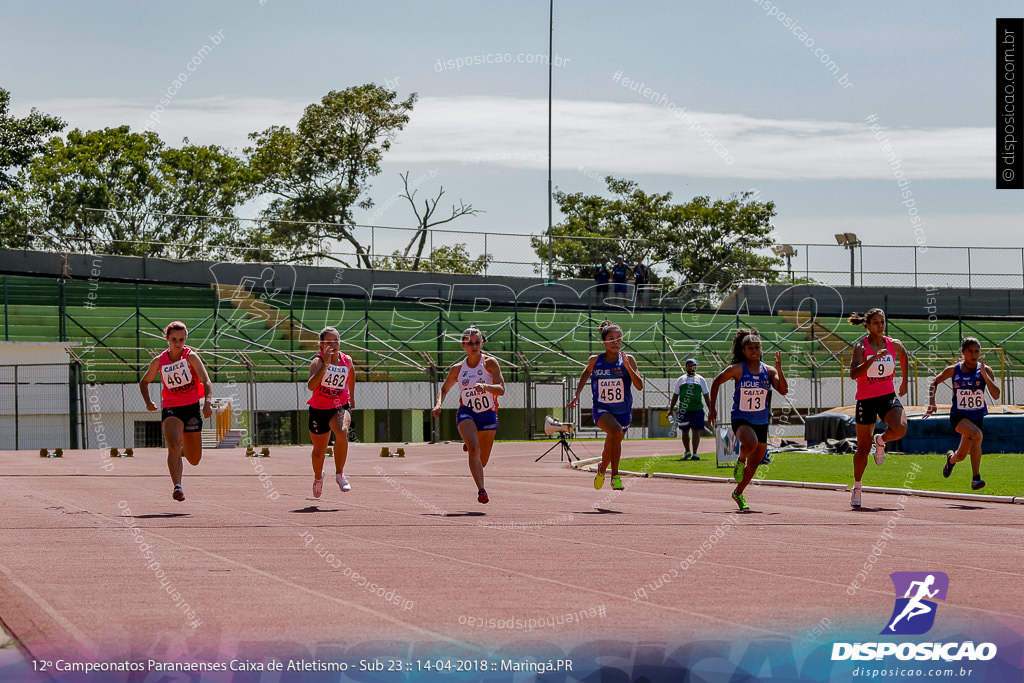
<point>751,404</point>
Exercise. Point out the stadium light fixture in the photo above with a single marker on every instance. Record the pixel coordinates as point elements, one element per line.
<point>851,242</point>
<point>788,252</point>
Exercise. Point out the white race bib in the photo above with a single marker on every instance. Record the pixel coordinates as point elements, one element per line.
<point>752,399</point>
<point>335,378</point>
<point>970,399</point>
<point>177,374</point>
<point>610,390</point>
<point>882,367</point>
<point>478,401</point>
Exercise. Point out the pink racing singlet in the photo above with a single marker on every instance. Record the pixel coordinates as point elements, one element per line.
<point>332,392</point>
<point>179,385</point>
<point>878,381</point>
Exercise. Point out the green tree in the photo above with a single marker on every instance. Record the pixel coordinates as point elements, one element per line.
<point>319,172</point>
<point>21,139</point>
<point>112,191</point>
<point>702,241</point>
<point>453,259</point>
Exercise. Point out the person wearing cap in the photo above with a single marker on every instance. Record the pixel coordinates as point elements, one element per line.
<point>619,272</point>
<point>601,276</point>
<point>690,389</point>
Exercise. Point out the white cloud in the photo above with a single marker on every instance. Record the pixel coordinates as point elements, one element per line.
<point>631,138</point>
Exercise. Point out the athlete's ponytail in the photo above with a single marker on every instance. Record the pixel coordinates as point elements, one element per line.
<point>858,319</point>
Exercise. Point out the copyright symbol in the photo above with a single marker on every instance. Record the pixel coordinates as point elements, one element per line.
<point>1007,174</point>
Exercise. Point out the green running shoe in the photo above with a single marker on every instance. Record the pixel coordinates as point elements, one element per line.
<point>737,471</point>
<point>599,481</point>
<point>617,483</point>
<point>740,501</point>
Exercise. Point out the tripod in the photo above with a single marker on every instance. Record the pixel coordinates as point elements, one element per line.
<point>567,452</point>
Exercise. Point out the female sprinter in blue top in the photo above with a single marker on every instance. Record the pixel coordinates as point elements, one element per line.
<point>611,375</point>
<point>751,402</point>
<point>971,377</point>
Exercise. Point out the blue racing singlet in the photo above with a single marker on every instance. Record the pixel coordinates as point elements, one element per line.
<point>611,385</point>
<point>968,393</point>
<point>752,399</point>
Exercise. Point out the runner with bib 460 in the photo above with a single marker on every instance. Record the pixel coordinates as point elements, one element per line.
<point>480,384</point>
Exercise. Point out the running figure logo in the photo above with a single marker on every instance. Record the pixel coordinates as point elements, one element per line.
<point>914,613</point>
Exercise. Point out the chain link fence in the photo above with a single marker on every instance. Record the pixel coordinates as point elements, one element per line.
<point>524,255</point>
<point>94,401</point>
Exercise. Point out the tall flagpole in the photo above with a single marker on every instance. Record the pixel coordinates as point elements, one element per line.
<point>551,38</point>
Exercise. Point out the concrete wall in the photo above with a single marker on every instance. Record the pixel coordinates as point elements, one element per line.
<point>908,302</point>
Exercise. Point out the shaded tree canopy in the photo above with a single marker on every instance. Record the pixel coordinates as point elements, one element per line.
<point>320,171</point>
<point>701,241</point>
<point>112,191</point>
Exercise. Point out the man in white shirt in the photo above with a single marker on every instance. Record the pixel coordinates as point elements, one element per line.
<point>689,390</point>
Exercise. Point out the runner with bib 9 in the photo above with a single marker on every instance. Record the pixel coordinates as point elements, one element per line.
<point>874,367</point>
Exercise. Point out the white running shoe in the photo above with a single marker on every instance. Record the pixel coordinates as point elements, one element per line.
<point>343,483</point>
<point>318,487</point>
<point>855,497</point>
<point>879,449</point>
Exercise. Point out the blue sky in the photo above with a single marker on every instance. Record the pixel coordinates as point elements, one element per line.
<point>794,130</point>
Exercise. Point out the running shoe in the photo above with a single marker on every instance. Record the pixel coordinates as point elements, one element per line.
<point>947,469</point>
<point>343,483</point>
<point>481,497</point>
<point>737,471</point>
<point>740,501</point>
<point>686,456</point>
<point>599,480</point>
<point>879,449</point>
<point>694,456</point>
<point>977,483</point>
<point>855,497</point>
<point>318,487</point>
<point>178,494</point>
<point>617,482</point>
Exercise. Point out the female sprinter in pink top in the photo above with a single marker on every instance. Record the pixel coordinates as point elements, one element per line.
<point>874,366</point>
<point>183,381</point>
<point>332,381</point>
<point>480,384</point>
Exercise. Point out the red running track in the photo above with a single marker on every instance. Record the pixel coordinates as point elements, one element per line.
<point>410,556</point>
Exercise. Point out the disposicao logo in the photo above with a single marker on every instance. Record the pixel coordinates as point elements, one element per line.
<point>916,592</point>
<point>914,614</point>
